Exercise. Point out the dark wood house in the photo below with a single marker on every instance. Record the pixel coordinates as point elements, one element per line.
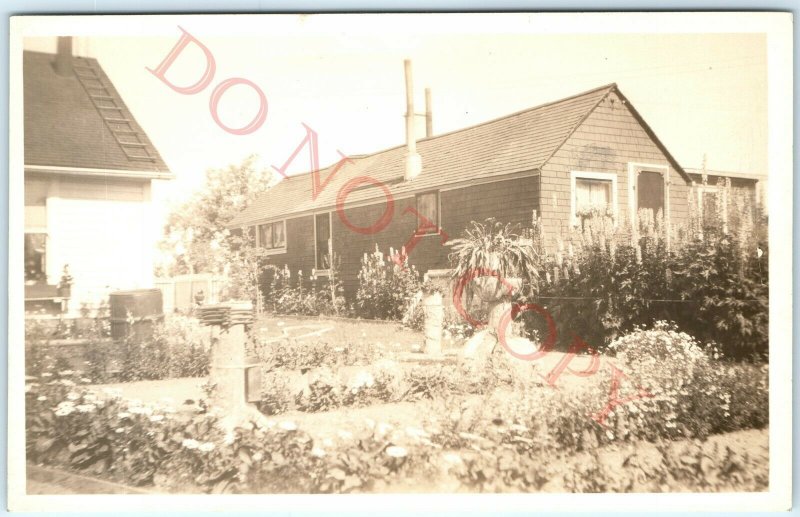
<point>560,159</point>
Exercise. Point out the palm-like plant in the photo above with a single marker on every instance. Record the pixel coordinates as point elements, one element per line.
<point>493,248</point>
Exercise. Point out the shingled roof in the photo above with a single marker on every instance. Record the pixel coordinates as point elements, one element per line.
<point>79,121</point>
<point>520,142</point>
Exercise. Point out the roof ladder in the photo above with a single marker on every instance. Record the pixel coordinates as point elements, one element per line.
<point>116,117</point>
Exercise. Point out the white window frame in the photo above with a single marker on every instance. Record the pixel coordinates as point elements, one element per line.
<point>590,175</point>
<point>322,272</point>
<point>272,251</point>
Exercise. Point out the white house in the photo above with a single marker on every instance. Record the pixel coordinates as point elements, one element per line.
<point>89,169</point>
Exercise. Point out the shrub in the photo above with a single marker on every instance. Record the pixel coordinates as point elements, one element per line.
<point>605,279</point>
<point>385,287</point>
<point>179,347</point>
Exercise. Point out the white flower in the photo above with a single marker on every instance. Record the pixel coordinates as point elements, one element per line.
<point>452,457</point>
<point>318,452</point>
<point>66,372</point>
<point>395,451</point>
<point>120,430</point>
<point>416,432</point>
<point>327,442</point>
<point>206,447</point>
<point>339,349</point>
<point>67,382</point>
<point>190,444</point>
<point>86,380</point>
<point>141,410</point>
<point>123,415</point>
<point>258,456</point>
<point>383,428</point>
<point>288,426</point>
<point>28,388</point>
<point>47,374</point>
<point>41,398</point>
<point>229,438</point>
<point>610,435</point>
<point>345,435</point>
<point>157,418</point>
<point>64,410</point>
<point>85,408</point>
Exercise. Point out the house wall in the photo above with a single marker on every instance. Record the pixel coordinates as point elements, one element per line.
<point>607,142</point>
<point>102,228</point>
<point>508,201</point>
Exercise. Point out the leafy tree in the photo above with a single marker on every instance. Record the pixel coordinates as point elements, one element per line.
<point>196,238</point>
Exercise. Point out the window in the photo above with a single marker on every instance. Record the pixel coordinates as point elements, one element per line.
<point>428,209</point>
<point>35,258</point>
<point>322,239</point>
<point>272,236</point>
<point>593,194</point>
<point>711,208</point>
<point>651,191</point>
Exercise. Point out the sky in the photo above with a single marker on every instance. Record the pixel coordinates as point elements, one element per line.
<point>703,94</point>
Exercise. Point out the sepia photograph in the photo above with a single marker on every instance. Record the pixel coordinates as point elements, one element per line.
<point>401,255</point>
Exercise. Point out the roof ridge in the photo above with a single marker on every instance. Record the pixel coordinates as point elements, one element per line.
<point>362,156</point>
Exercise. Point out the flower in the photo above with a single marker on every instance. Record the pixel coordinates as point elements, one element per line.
<point>190,444</point>
<point>415,432</point>
<point>47,374</point>
<point>123,415</point>
<point>120,430</point>
<point>140,410</point>
<point>41,398</point>
<point>286,425</point>
<point>66,372</point>
<point>258,456</point>
<point>452,457</point>
<point>345,435</point>
<point>64,410</point>
<point>318,452</point>
<point>86,380</point>
<point>67,382</point>
<point>206,447</point>
<point>85,408</point>
<point>383,428</point>
<point>157,418</point>
<point>395,451</point>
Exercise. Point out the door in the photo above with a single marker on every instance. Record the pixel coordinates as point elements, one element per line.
<point>322,230</point>
<point>651,191</point>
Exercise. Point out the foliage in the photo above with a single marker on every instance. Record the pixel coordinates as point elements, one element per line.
<point>320,294</point>
<point>179,347</point>
<point>185,450</point>
<point>492,246</point>
<point>386,287</point>
<point>290,354</point>
<point>605,279</point>
<point>195,235</point>
<point>244,264</point>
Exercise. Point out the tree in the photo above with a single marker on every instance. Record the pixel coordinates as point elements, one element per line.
<point>196,238</point>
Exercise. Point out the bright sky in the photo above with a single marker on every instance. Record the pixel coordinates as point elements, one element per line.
<point>702,94</point>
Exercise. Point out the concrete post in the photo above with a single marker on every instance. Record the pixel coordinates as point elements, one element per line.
<point>434,320</point>
<point>229,373</point>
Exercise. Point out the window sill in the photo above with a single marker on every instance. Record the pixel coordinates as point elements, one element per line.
<point>276,251</point>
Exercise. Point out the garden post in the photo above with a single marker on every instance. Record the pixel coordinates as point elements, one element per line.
<point>434,316</point>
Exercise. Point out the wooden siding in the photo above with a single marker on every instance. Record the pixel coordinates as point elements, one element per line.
<point>508,201</point>
<point>607,141</point>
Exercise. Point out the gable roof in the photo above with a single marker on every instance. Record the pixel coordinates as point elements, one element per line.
<point>521,142</point>
<point>67,126</point>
